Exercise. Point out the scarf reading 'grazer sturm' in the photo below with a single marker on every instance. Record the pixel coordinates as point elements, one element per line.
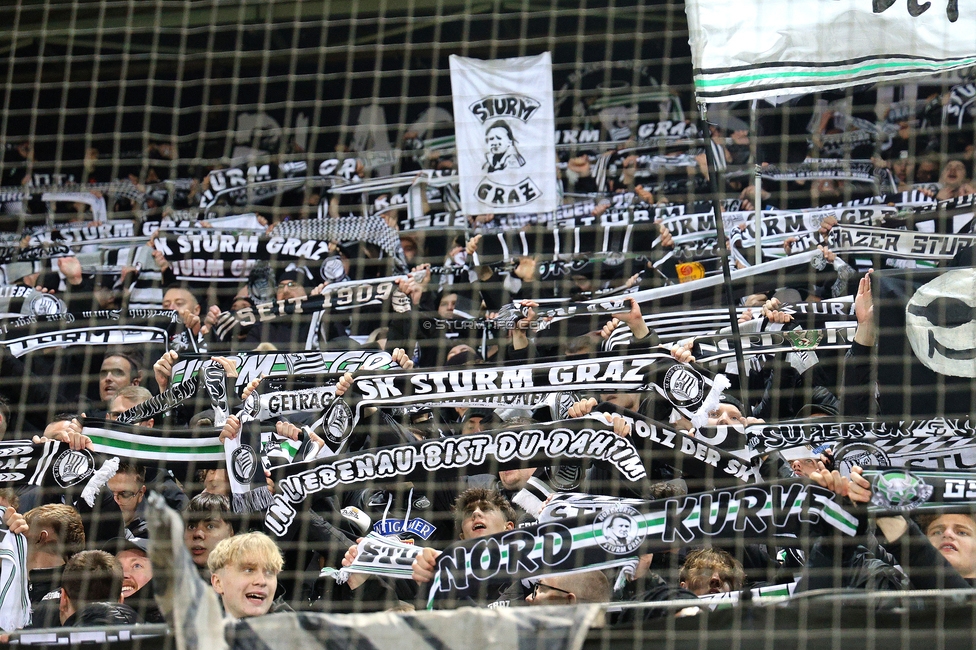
<point>616,535</point>
<point>444,459</point>
<point>686,389</point>
<point>907,244</point>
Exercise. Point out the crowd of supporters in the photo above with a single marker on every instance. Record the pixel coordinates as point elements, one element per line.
<point>91,564</point>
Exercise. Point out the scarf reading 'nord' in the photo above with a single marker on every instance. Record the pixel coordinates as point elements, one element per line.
<point>617,534</point>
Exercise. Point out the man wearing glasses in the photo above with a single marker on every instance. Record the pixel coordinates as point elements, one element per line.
<point>128,487</point>
<point>571,589</point>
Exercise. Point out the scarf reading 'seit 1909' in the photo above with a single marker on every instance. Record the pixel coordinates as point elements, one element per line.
<point>340,296</point>
<point>618,534</point>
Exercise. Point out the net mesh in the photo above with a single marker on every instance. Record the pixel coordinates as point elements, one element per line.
<point>214,210</point>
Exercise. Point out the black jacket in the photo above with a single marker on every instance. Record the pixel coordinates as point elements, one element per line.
<point>95,614</point>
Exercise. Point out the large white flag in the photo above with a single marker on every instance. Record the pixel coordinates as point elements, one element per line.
<point>505,134</point>
<point>758,48</point>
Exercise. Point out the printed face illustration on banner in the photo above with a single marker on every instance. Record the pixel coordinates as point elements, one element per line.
<point>505,183</point>
<point>504,129</point>
<point>940,323</point>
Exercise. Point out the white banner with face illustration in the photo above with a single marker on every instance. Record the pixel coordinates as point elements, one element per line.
<point>503,117</point>
<point>745,49</point>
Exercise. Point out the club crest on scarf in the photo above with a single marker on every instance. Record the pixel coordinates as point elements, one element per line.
<point>44,304</point>
<point>940,323</point>
<point>803,339</point>
<point>243,461</point>
<point>338,421</point>
<point>72,467</point>
<point>619,528</point>
<point>861,454</point>
<point>900,490</point>
<point>684,386</point>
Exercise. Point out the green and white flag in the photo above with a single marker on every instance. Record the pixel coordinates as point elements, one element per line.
<point>750,49</point>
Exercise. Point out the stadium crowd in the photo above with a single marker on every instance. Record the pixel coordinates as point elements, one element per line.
<point>458,305</point>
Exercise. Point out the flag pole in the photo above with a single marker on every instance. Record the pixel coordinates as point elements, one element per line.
<point>754,155</point>
<point>724,253</point>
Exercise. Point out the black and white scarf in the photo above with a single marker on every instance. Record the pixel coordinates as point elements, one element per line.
<point>580,215</point>
<point>912,490</point>
<point>714,348</point>
<point>431,221</point>
<point>274,365</point>
<point>24,302</point>
<point>830,168</point>
<point>905,436</point>
<point>245,471</point>
<point>101,328</point>
<point>679,324</point>
<point>691,393</point>
<point>278,396</point>
<point>442,460</point>
<point>372,229</point>
<point>381,555</point>
<point>696,458</point>
<point>90,233</point>
<point>157,405</point>
<point>703,290</point>
<point>24,463</point>
<point>906,244</point>
<point>616,535</point>
<point>604,240</point>
<point>337,297</point>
